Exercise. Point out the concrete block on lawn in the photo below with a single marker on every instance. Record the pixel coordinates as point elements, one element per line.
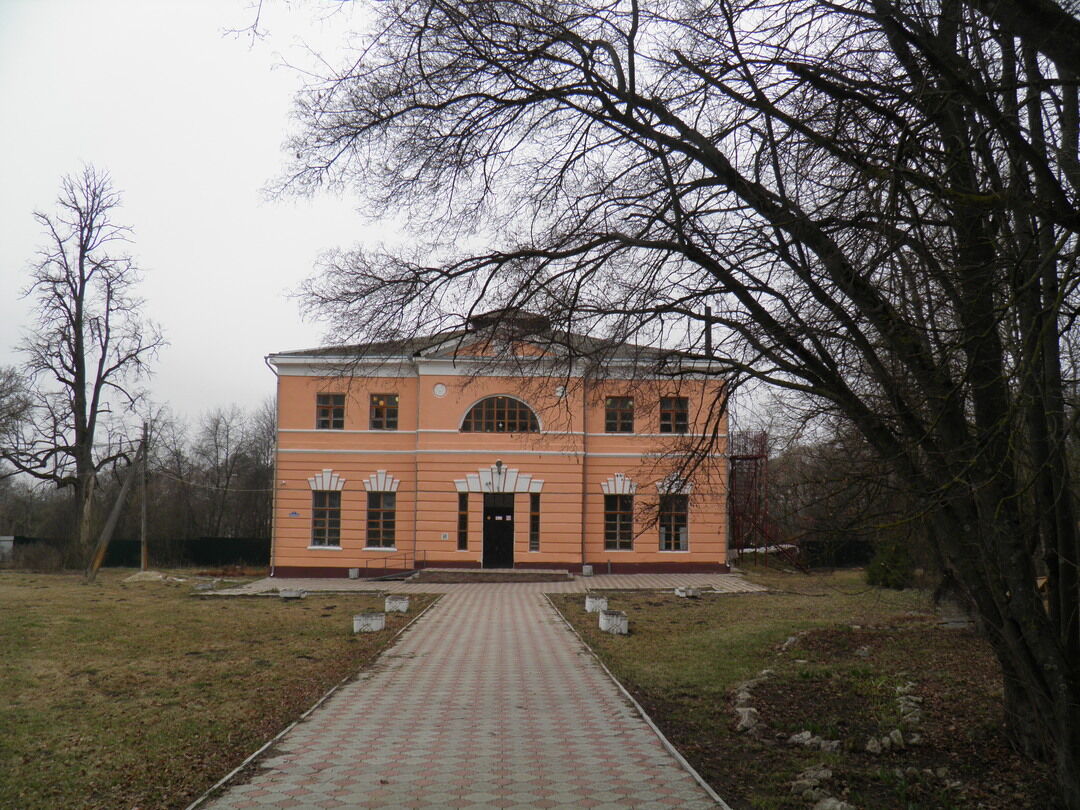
<point>594,604</point>
<point>687,592</point>
<point>368,622</point>
<point>396,603</point>
<point>291,593</point>
<point>615,622</point>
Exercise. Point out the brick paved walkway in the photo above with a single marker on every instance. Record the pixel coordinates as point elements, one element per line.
<point>488,701</point>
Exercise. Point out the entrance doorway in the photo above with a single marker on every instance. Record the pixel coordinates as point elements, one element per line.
<point>498,530</point>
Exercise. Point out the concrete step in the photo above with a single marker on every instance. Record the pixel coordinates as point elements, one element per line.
<point>492,575</point>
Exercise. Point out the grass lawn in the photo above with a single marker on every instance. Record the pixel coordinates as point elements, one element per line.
<point>854,645</point>
<point>141,695</point>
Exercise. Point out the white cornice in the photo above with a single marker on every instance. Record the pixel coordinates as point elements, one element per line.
<point>507,451</point>
<point>312,365</point>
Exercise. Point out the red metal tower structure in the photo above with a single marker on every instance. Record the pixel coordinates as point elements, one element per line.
<point>748,503</point>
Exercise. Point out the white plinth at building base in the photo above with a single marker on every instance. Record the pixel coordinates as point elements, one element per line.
<point>615,622</point>
<point>688,592</point>
<point>586,570</point>
<point>368,622</point>
<point>594,604</point>
<point>396,603</point>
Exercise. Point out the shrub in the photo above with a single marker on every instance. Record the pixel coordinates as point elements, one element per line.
<point>38,557</point>
<point>891,567</point>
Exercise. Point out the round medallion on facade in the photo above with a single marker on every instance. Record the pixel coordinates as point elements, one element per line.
<point>439,390</point>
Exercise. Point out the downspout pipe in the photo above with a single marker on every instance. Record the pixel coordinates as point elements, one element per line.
<point>584,459</point>
<point>274,478</point>
<point>416,463</point>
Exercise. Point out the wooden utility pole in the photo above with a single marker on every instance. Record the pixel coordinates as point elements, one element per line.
<point>114,517</point>
<point>143,553</point>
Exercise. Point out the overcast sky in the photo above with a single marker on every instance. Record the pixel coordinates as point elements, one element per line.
<point>189,121</point>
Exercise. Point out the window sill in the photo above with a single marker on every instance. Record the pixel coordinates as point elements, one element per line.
<point>674,550</point>
<point>324,548</point>
<point>379,548</point>
<point>619,550</point>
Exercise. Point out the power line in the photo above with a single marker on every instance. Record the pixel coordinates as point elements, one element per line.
<point>186,482</point>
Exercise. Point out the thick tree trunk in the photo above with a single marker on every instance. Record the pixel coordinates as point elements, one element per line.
<point>1022,723</point>
<point>85,498</point>
<point>1042,708</point>
<point>1067,754</point>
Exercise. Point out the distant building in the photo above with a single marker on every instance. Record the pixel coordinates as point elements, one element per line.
<point>438,452</point>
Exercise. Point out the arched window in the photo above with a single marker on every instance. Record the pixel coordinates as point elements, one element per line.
<point>500,415</point>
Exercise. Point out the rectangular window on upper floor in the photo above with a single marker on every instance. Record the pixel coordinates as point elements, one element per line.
<point>619,415</point>
<point>330,411</point>
<point>384,411</point>
<point>674,414</point>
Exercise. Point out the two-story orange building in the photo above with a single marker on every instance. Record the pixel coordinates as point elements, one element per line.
<point>438,452</point>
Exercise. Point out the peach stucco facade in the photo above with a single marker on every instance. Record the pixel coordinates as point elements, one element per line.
<point>552,483</point>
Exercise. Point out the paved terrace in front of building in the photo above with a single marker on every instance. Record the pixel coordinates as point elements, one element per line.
<point>724,583</point>
<point>487,701</point>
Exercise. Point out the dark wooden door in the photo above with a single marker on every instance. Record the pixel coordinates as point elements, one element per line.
<point>498,530</point>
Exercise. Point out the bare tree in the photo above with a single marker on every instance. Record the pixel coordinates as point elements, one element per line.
<point>90,346</point>
<point>216,482</point>
<point>234,453</point>
<point>14,399</point>
<point>878,201</point>
<point>218,451</point>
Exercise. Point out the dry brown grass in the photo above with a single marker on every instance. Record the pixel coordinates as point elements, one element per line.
<point>856,644</point>
<point>143,695</point>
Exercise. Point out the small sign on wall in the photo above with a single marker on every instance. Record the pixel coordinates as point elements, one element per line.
<point>294,514</point>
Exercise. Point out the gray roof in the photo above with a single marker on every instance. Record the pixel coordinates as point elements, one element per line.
<point>450,344</point>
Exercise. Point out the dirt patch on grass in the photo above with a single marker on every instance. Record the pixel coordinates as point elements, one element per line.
<point>855,652</point>
<point>844,684</point>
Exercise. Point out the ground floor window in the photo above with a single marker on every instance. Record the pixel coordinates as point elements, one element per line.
<point>463,521</point>
<point>381,517</point>
<point>325,518</point>
<point>619,522</point>
<point>674,522</point>
<point>534,522</point>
